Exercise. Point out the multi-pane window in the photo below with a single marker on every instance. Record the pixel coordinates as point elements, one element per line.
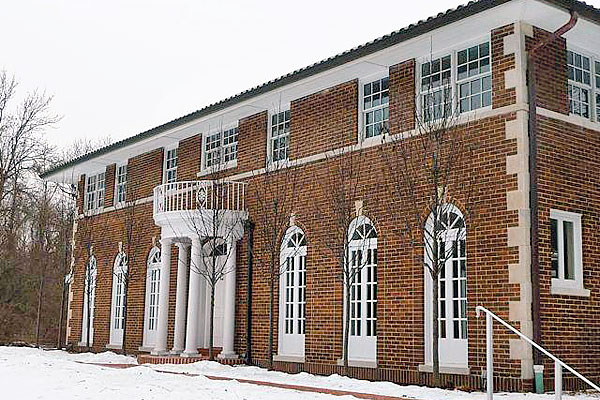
<point>580,84</point>
<point>170,166</point>
<point>121,183</point>
<point>565,244</point>
<point>221,147</point>
<point>89,300</point>
<point>375,107</point>
<point>280,136</point>
<point>363,287</point>
<point>119,276</point>
<point>289,295</point>
<point>474,78</point>
<point>94,192</point>
<point>597,88</point>
<point>154,285</point>
<point>436,88</point>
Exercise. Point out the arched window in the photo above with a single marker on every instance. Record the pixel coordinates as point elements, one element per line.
<point>292,294</point>
<point>89,296</point>
<point>362,310</point>
<point>452,288</point>
<point>152,295</point>
<point>117,319</point>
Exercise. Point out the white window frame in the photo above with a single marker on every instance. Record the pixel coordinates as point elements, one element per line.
<point>167,150</point>
<point>153,264</point>
<point>117,309</point>
<point>561,285</point>
<point>292,344</point>
<point>94,199</point>
<point>120,200</point>
<point>221,148</point>
<point>362,349</point>
<point>361,90</point>
<point>270,161</point>
<point>593,88</point>
<point>92,265</point>
<point>454,81</point>
<point>454,352</point>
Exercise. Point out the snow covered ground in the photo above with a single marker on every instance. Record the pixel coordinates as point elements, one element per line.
<point>36,374</point>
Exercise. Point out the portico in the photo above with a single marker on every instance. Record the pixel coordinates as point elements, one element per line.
<point>204,220</point>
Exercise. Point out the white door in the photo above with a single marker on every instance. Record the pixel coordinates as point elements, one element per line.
<point>152,296</point>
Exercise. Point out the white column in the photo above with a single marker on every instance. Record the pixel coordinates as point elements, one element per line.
<point>163,300</point>
<point>180,299</point>
<point>191,333</point>
<point>229,308</point>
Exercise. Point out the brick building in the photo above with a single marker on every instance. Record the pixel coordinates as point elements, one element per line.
<point>530,247</point>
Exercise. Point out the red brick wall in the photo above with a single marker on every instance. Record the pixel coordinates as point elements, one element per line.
<point>109,185</point>
<point>252,142</point>
<point>568,165</point>
<point>402,96</point>
<point>188,158</point>
<point>500,64</point>
<point>551,72</point>
<point>324,121</point>
<point>144,173</point>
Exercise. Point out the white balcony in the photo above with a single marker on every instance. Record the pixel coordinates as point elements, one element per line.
<point>187,208</point>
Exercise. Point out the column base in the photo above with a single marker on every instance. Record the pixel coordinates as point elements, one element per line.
<point>187,354</point>
<point>159,353</point>
<point>176,351</point>
<point>227,356</point>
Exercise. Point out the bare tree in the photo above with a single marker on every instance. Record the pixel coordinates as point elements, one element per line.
<point>426,167</point>
<point>341,181</point>
<point>275,192</point>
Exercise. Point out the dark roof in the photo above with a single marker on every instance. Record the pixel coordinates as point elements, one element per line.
<point>474,7</point>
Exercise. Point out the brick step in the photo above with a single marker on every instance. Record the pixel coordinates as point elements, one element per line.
<point>177,359</point>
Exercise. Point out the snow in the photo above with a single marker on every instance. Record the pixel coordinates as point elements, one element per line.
<point>27,373</point>
<point>40,374</point>
<point>337,382</point>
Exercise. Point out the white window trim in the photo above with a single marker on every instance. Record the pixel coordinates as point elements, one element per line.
<point>164,165</point>
<point>594,115</point>
<point>353,360</point>
<point>204,170</point>
<point>362,81</point>
<point>96,208</point>
<point>116,199</point>
<point>453,52</point>
<point>572,287</point>
<point>147,342</point>
<point>116,335</point>
<point>285,252</point>
<point>270,162</point>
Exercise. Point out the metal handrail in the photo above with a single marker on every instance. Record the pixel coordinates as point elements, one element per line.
<point>197,195</point>
<point>558,363</point>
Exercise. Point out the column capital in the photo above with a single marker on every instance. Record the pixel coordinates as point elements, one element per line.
<point>166,241</point>
<point>183,245</point>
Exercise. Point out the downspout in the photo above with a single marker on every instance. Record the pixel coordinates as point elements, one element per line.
<point>533,188</point>
<point>250,253</point>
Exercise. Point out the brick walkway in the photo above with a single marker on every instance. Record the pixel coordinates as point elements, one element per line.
<point>300,388</point>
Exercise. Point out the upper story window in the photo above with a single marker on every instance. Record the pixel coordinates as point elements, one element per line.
<point>584,85</point>
<point>170,166</point>
<point>121,183</point>
<point>280,136</point>
<point>94,192</point>
<point>436,88</point>
<point>375,107</point>
<point>460,81</point>
<point>474,78</point>
<point>566,250</point>
<point>221,147</point>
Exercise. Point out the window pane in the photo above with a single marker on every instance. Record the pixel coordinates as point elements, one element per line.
<point>569,246</point>
<point>554,247</point>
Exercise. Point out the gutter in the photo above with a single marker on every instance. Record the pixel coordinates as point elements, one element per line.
<point>533,186</point>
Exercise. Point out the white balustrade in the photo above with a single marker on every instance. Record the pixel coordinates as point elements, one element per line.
<point>199,195</point>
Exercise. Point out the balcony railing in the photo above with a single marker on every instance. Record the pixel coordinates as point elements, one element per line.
<point>199,195</point>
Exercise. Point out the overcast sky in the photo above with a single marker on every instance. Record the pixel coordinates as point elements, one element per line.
<point>120,67</point>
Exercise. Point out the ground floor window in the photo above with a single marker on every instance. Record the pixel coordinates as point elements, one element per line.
<point>292,296</point>
<point>362,310</point>
<point>118,299</point>
<point>452,289</point>
<point>152,296</point>
<point>89,296</point>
